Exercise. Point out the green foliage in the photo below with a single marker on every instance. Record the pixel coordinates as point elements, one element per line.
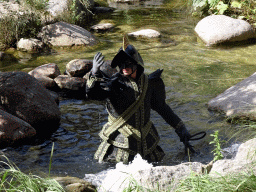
<point>50,165</point>
<point>40,5</point>
<point>13,180</point>
<point>218,7</point>
<point>236,4</point>
<point>16,26</point>
<point>77,16</point>
<point>217,151</point>
<point>237,8</point>
<point>238,182</point>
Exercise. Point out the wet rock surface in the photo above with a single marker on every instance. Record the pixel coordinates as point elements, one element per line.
<point>14,130</point>
<point>237,101</point>
<point>74,184</point>
<point>216,29</point>
<point>147,33</point>
<point>78,67</point>
<point>24,97</point>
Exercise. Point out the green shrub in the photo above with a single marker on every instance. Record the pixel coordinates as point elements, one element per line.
<point>13,180</point>
<point>217,143</point>
<point>40,5</point>
<point>76,16</point>
<point>16,26</point>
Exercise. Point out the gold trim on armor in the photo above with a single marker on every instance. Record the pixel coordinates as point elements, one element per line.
<point>145,149</point>
<point>125,157</point>
<point>120,124</point>
<point>119,155</point>
<point>91,80</point>
<point>97,153</point>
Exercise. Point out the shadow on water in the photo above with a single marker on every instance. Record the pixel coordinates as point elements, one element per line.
<point>193,74</point>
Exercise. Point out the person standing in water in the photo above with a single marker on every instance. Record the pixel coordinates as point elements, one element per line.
<point>130,95</point>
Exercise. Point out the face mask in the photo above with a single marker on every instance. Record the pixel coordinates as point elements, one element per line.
<point>127,64</point>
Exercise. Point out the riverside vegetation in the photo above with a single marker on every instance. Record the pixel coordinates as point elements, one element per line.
<point>238,182</point>
<point>15,26</point>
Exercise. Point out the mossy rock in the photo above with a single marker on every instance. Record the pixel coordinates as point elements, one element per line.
<point>74,184</point>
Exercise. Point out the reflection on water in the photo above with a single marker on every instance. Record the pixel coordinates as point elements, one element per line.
<point>193,74</point>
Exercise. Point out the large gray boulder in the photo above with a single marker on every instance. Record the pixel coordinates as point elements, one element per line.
<point>244,161</point>
<point>13,129</point>
<point>58,7</point>
<point>63,34</point>
<point>24,97</point>
<point>216,29</point>
<point>237,101</point>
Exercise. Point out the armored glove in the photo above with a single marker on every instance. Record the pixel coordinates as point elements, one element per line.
<point>184,135</point>
<point>97,62</point>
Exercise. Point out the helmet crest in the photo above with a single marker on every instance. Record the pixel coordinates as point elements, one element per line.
<point>125,41</point>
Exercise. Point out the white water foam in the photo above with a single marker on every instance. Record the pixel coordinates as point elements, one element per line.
<point>115,180</point>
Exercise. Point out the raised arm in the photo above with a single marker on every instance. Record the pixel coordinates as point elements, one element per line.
<point>96,85</point>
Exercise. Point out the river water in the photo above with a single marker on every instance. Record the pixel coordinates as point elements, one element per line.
<point>193,74</point>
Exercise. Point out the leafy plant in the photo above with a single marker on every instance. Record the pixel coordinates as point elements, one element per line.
<point>16,26</point>
<point>217,151</point>
<point>75,14</point>
<point>40,5</point>
<point>13,180</point>
<point>218,7</point>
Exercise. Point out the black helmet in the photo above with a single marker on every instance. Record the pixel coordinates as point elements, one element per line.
<point>128,52</point>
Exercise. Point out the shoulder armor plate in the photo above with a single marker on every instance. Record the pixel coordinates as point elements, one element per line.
<point>156,74</point>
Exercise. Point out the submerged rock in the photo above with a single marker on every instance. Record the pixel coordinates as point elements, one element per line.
<point>216,29</point>
<point>237,101</point>
<point>148,33</point>
<point>102,27</point>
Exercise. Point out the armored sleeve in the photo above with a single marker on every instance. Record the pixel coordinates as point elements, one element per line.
<point>159,105</point>
<point>96,88</point>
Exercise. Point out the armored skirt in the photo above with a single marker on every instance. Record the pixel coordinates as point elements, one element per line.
<point>129,130</point>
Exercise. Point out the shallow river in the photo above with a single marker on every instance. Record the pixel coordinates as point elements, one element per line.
<point>193,74</point>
